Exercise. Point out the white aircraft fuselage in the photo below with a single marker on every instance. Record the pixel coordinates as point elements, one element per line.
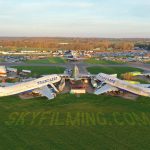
<point>124,85</point>
<point>31,85</point>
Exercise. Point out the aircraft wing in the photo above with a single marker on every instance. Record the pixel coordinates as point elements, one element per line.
<point>88,75</point>
<point>104,89</point>
<point>45,91</point>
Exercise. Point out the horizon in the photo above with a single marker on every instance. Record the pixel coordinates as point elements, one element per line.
<point>74,37</point>
<point>78,19</point>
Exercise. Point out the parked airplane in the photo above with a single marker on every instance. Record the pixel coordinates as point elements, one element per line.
<point>37,85</point>
<point>72,56</point>
<point>110,83</point>
<point>76,75</point>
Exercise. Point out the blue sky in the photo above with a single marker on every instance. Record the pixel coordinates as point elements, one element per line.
<point>79,18</point>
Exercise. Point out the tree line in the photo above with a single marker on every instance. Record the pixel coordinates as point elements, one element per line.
<point>66,43</point>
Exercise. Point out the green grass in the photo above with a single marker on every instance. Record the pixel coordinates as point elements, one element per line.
<point>56,60</point>
<point>40,61</point>
<point>17,133</point>
<point>143,81</point>
<point>52,60</point>
<point>112,70</point>
<point>103,62</point>
<point>36,70</point>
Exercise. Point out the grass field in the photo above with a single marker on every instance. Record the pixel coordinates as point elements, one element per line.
<point>36,70</point>
<point>112,70</point>
<point>18,133</point>
<point>39,124</point>
<point>94,61</point>
<point>52,60</point>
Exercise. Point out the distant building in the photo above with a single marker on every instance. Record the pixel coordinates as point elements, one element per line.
<point>3,71</point>
<point>11,69</point>
<point>97,49</point>
<point>77,88</point>
<point>63,43</point>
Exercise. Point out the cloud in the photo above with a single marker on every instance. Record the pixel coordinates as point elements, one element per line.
<point>80,17</point>
<point>18,8</point>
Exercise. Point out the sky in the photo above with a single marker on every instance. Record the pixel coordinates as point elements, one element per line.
<point>78,18</point>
